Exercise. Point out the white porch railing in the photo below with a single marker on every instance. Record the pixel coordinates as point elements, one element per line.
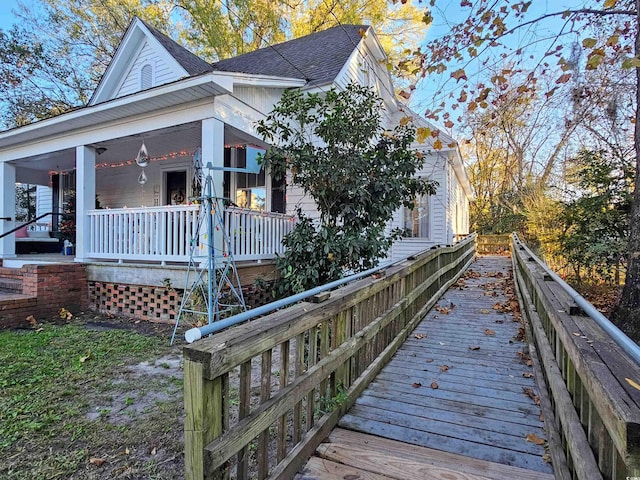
<point>256,235</point>
<point>165,233</point>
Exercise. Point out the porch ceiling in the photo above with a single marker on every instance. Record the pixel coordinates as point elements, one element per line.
<point>179,138</point>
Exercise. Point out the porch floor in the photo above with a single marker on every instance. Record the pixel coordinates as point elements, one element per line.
<point>36,258</point>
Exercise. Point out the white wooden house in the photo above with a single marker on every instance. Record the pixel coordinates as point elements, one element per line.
<point>157,93</point>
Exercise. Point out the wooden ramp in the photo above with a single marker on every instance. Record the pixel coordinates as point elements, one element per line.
<point>457,401</point>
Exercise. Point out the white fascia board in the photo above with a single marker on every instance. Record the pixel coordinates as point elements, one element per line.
<point>103,131</point>
<point>210,84</point>
<point>238,114</point>
<point>267,81</point>
<point>128,49</point>
<point>117,64</point>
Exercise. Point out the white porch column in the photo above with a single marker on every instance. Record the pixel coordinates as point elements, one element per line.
<point>213,154</point>
<point>85,198</point>
<point>7,208</point>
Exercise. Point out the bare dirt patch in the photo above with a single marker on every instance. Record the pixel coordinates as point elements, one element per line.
<point>110,401</point>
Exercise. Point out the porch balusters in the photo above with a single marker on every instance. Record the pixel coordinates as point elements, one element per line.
<point>164,233</point>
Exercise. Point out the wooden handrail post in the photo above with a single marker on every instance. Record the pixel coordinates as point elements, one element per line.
<point>203,400</point>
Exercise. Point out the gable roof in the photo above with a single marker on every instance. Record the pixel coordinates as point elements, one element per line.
<point>193,64</point>
<point>317,58</point>
<point>179,60</point>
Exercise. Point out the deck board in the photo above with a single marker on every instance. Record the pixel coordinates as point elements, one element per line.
<point>442,393</point>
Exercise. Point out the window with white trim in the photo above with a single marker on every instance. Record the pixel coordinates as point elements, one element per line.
<point>417,219</point>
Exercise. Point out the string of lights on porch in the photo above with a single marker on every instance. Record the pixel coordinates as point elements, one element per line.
<point>157,158</point>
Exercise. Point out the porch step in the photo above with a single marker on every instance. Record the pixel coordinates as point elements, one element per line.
<point>15,309</point>
<point>10,285</point>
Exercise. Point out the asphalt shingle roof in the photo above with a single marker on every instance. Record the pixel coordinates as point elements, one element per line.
<point>193,64</point>
<point>317,58</point>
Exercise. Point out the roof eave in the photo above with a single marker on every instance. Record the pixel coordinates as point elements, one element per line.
<point>193,88</point>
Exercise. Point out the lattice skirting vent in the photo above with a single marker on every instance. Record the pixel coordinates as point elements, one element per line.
<point>156,304</point>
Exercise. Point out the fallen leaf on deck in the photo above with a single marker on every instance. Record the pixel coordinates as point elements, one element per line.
<point>489,332</point>
<point>547,458</point>
<point>528,391</point>
<point>444,368</point>
<point>416,385</point>
<point>434,385</point>
<point>442,343</point>
<point>420,336</point>
<point>632,383</point>
<point>527,374</point>
<point>474,347</point>
<point>499,321</point>
<point>429,360</point>
<point>443,310</point>
<point>529,363</point>
<point>485,311</point>
<point>96,461</point>
<point>533,438</point>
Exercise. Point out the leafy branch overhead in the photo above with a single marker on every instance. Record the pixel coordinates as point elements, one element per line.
<point>334,148</point>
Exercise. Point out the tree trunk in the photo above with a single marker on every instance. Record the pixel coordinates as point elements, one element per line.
<point>627,315</point>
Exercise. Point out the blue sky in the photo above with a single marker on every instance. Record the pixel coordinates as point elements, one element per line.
<point>6,17</point>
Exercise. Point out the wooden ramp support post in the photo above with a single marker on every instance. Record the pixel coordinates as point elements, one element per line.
<point>204,414</point>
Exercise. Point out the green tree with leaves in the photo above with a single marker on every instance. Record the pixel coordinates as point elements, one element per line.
<point>334,148</point>
<point>499,32</point>
<point>597,218</point>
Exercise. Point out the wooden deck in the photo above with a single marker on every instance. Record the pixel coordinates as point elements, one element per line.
<point>457,401</point>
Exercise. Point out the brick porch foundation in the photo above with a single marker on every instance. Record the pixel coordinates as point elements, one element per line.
<point>41,291</point>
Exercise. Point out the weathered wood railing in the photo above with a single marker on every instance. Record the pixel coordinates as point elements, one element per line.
<point>596,411</point>
<point>309,362</point>
<point>492,244</point>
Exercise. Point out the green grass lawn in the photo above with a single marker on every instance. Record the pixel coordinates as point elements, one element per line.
<point>73,404</point>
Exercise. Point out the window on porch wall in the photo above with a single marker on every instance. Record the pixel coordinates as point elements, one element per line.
<point>64,197</point>
<point>416,219</point>
<point>248,190</point>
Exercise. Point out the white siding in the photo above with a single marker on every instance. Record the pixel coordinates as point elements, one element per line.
<point>408,246</point>
<point>361,61</point>
<point>44,202</point>
<point>119,187</point>
<point>458,206</point>
<point>435,168</point>
<point>296,198</point>
<point>262,99</point>
<point>161,71</point>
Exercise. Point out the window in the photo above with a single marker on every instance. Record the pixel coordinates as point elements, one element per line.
<point>146,77</point>
<point>247,190</point>
<point>416,219</point>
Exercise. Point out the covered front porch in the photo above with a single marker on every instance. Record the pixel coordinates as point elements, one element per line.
<point>124,175</point>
